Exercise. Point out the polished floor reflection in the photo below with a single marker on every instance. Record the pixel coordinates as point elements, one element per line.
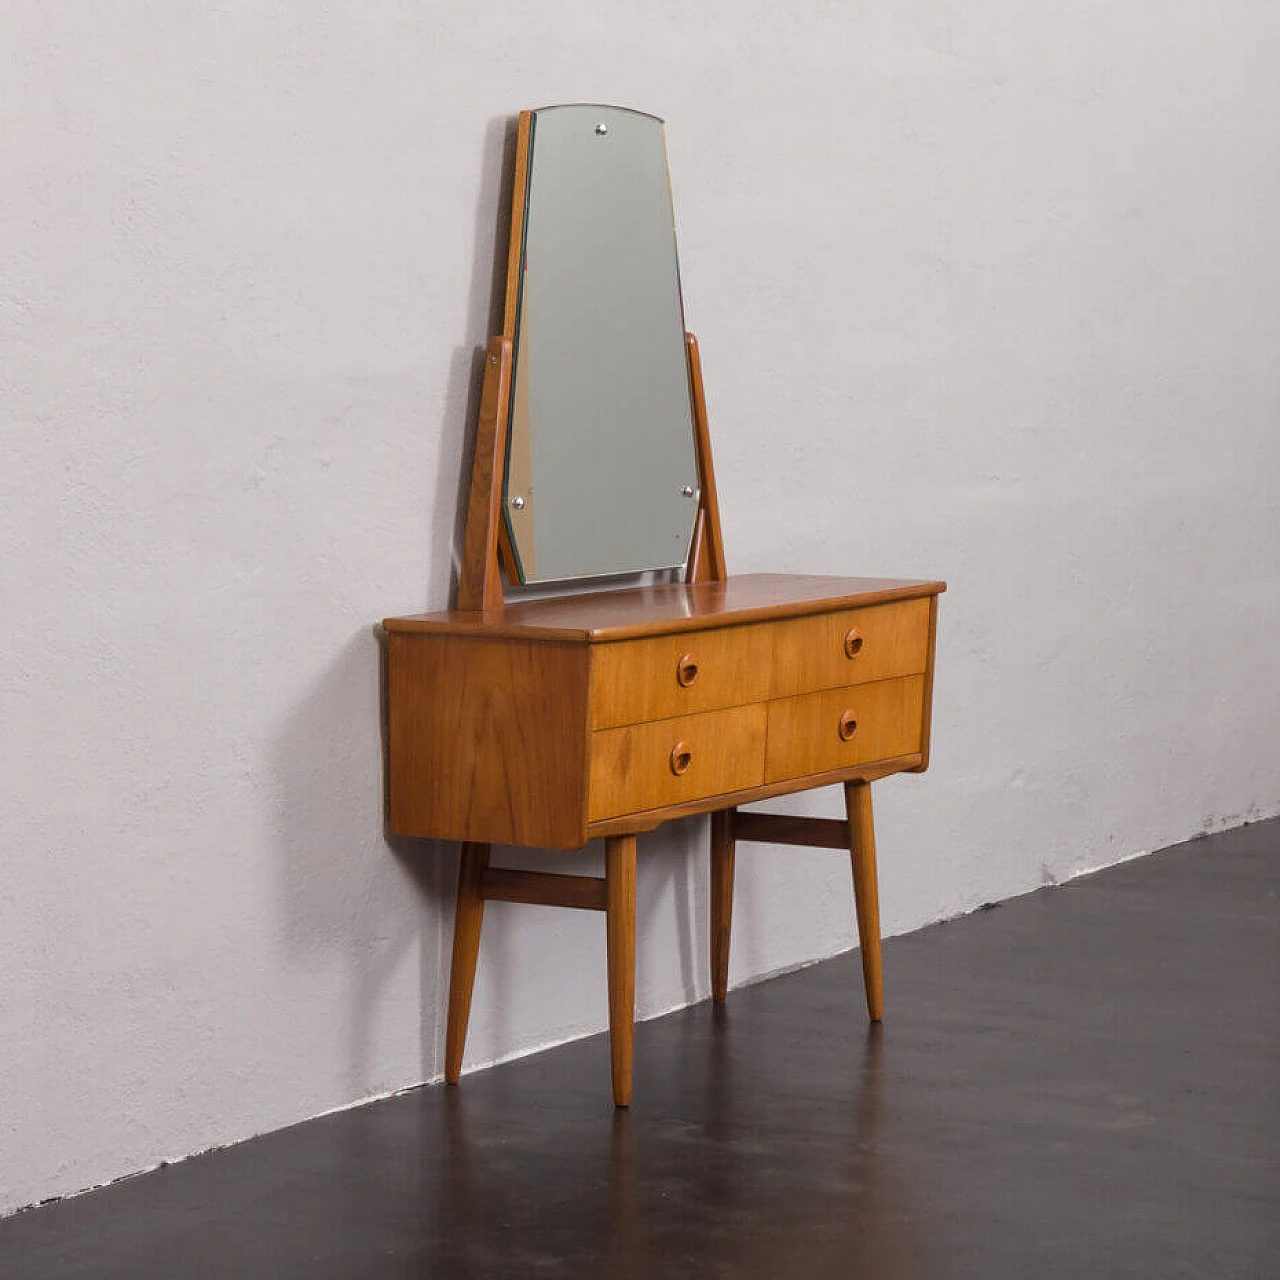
<point>1082,1082</point>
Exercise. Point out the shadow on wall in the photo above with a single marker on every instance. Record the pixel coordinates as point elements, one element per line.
<point>344,901</point>
<point>669,864</point>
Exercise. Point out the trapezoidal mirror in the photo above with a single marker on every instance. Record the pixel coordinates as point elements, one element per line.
<point>601,472</point>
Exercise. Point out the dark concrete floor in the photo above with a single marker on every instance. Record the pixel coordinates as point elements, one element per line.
<point>1084,1082</point>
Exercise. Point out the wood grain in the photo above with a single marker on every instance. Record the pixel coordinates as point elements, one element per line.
<point>638,680</point>
<point>631,766</point>
<point>649,819</point>
<point>706,563</point>
<point>810,653</point>
<point>696,569</point>
<point>601,616</point>
<point>479,579</point>
<point>468,916</point>
<point>926,724</point>
<point>805,735</point>
<point>620,930</point>
<point>543,889</point>
<point>488,739</point>
<point>866,892</point>
<point>786,828</point>
<point>515,241</point>
<point>723,827</point>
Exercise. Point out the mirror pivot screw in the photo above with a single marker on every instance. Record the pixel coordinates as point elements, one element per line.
<point>602,128</point>
<point>687,491</point>
<point>518,503</point>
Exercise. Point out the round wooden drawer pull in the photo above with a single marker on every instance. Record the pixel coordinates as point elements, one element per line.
<point>681,758</point>
<point>686,670</point>
<point>847,726</point>
<point>852,642</point>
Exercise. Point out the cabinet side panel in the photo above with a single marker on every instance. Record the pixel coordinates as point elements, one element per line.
<point>487,739</point>
<point>926,728</point>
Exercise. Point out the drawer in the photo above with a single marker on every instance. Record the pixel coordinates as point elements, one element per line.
<point>647,766</point>
<point>844,727</point>
<point>653,679</point>
<point>832,650</point>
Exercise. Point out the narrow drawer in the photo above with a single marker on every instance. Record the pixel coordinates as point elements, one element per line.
<point>647,766</point>
<point>844,727</point>
<point>853,646</point>
<point>663,676</point>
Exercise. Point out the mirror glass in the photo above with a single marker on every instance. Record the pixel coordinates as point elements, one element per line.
<point>601,470</point>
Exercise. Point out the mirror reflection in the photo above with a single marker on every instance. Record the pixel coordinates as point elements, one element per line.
<point>601,471</point>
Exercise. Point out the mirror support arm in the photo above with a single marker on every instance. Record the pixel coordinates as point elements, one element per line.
<point>479,576</point>
<point>706,554</point>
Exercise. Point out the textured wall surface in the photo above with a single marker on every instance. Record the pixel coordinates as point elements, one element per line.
<point>985,291</point>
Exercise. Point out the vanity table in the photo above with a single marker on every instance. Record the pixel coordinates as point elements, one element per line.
<point>549,722</point>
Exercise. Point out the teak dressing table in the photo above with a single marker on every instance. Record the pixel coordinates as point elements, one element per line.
<point>548,722</point>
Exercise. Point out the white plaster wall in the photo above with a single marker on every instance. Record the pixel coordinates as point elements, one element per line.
<point>989,291</point>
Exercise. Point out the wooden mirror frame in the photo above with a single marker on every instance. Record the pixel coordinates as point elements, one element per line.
<point>487,554</point>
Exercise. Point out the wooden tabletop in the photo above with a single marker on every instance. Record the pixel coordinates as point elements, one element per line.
<point>596,616</point>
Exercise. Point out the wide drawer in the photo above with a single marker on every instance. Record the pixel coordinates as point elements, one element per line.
<point>665,676</point>
<point>840,728</point>
<point>664,762</point>
<point>851,646</point>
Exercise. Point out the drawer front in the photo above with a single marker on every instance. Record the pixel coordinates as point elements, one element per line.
<point>853,646</point>
<point>840,728</point>
<point>647,766</point>
<point>654,679</point>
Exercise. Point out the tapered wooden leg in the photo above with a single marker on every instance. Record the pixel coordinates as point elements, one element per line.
<point>620,924</point>
<point>862,845</point>
<point>467,919</point>
<point>722,857</point>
